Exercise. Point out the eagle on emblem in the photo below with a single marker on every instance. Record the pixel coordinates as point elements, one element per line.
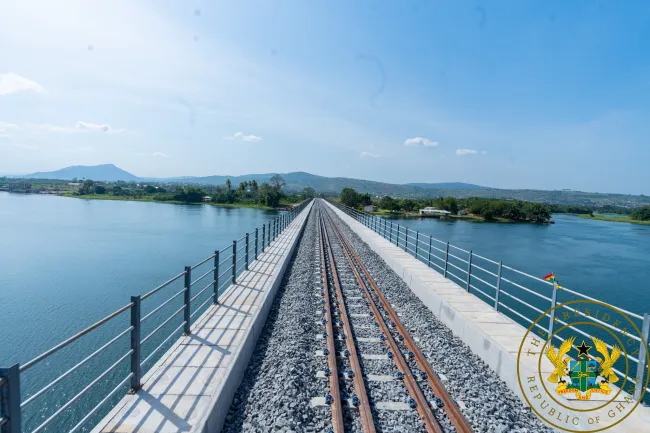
<point>607,363</point>
<point>558,359</point>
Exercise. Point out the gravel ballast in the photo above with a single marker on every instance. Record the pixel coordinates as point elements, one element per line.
<point>281,378</point>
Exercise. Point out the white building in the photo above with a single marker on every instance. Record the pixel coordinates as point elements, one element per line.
<point>433,211</point>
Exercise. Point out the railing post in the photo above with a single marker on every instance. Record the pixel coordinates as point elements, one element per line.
<point>446,260</point>
<point>10,399</point>
<point>397,237</point>
<point>496,296</point>
<point>234,262</point>
<point>187,299</point>
<point>246,259</point>
<point>268,243</point>
<point>390,233</point>
<point>136,368</point>
<point>641,366</point>
<point>256,235</point>
<point>429,256</point>
<point>263,235</point>
<point>216,277</point>
<point>469,270</point>
<point>417,243</point>
<point>406,239</point>
<point>553,304</point>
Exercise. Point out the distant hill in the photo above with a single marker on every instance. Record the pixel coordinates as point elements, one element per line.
<point>449,185</point>
<point>105,172</point>
<point>296,181</point>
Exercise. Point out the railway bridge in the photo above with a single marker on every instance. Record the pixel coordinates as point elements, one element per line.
<point>331,319</point>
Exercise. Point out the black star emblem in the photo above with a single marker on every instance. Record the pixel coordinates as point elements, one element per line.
<point>583,349</point>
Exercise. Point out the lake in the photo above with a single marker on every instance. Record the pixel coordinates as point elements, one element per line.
<point>66,263</point>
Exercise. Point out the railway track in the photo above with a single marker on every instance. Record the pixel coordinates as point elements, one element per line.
<point>355,312</point>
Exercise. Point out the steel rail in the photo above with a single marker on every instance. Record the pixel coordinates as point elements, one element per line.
<point>163,285</point>
<point>431,424</point>
<point>155,310</point>
<point>451,408</point>
<point>367,422</point>
<point>202,262</point>
<point>337,407</point>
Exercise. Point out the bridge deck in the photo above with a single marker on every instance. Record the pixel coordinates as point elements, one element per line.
<point>191,387</point>
<point>491,335</point>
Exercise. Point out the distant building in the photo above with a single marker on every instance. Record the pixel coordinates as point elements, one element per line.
<point>207,198</point>
<point>433,211</point>
<point>370,208</point>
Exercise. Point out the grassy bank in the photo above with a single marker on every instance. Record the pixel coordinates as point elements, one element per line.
<point>470,217</point>
<point>621,219</point>
<point>152,200</point>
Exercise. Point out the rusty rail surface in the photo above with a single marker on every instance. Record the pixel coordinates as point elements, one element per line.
<point>452,410</point>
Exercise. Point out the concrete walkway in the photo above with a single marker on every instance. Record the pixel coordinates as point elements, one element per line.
<point>191,387</point>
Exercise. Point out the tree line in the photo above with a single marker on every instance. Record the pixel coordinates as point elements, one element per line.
<point>248,192</point>
<point>487,208</point>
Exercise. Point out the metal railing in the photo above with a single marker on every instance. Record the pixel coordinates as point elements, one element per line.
<point>217,276</point>
<point>517,294</point>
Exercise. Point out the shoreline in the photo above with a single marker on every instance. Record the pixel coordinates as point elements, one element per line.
<point>151,200</point>
<point>468,218</point>
<point>611,219</point>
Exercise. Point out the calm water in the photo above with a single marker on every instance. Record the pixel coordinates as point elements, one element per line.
<point>65,263</point>
<point>608,261</point>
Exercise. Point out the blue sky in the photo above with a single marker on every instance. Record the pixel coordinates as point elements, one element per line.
<point>526,94</point>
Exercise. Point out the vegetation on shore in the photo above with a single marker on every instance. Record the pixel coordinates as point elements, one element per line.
<point>247,194</point>
<point>621,219</point>
<point>474,208</point>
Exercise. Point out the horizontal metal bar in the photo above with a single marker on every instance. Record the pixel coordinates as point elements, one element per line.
<point>438,249</point>
<point>430,263</point>
<point>526,289</point>
<point>460,269</point>
<point>155,310</point>
<point>210,284</point>
<point>227,259</point>
<point>202,262</point>
<point>241,239</point>
<point>485,258</point>
<point>3,420</point>
<point>515,312</point>
<point>166,283</point>
<point>458,278</point>
<point>410,250</point>
<point>229,268</point>
<point>201,306</point>
<point>484,270</point>
<point>70,371</point>
<point>522,302</point>
<point>242,248</point>
<point>2,381</point>
<point>81,393</point>
<point>458,258</point>
<point>101,403</point>
<point>161,344</point>
<point>75,337</point>
<point>458,248</point>
<point>598,321</point>
<point>609,346</point>
<point>229,247</point>
<point>629,313</point>
<point>241,258</point>
<point>481,292</point>
<point>528,275</point>
<point>159,327</point>
<point>484,282</point>
<point>202,276</point>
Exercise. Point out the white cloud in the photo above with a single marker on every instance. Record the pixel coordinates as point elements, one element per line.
<point>420,141</point>
<point>6,127</point>
<point>14,83</point>
<point>79,127</point>
<point>240,135</point>
<point>369,155</point>
<point>160,155</point>
<point>465,152</point>
<point>18,145</point>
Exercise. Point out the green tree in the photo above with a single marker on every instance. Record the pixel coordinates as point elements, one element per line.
<point>228,184</point>
<point>87,187</point>
<point>389,203</point>
<point>450,204</point>
<point>268,195</point>
<point>308,193</point>
<point>641,214</point>
<point>100,189</point>
<point>349,197</point>
<point>254,186</point>
<point>408,204</point>
<point>277,181</point>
